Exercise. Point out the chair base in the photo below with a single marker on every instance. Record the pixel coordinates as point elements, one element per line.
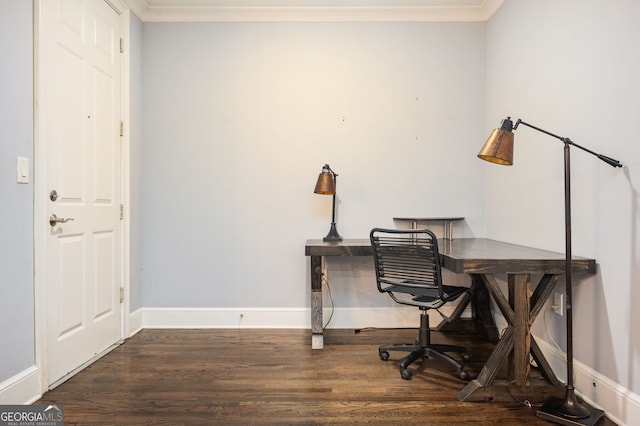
<point>423,349</point>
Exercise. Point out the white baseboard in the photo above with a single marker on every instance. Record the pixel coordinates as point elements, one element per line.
<point>399,317</point>
<point>271,318</point>
<point>135,322</point>
<point>620,404</point>
<point>23,388</point>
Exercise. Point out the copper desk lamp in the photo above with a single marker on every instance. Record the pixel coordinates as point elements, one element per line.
<point>326,185</point>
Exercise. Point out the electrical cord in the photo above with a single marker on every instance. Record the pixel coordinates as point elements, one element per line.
<point>525,402</point>
<point>359,330</point>
<point>325,281</point>
<point>546,331</point>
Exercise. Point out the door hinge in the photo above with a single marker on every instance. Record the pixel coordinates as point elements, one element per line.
<point>121,294</point>
<point>121,46</point>
<point>122,128</point>
<point>121,211</point>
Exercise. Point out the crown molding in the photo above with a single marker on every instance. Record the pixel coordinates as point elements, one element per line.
<point>314,11</point>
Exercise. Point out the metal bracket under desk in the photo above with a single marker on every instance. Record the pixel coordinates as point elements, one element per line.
<point>447,223</point>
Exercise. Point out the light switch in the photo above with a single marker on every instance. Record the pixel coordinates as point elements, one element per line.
<point>22,165</point>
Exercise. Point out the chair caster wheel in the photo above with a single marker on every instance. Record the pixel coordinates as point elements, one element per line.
<point>466,357</point>
<point>463,375</point>
<point>405,374</point>
<point>384,355</point>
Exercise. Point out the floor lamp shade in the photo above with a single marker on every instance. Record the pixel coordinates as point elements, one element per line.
<point>499,146</point>
<point>499,149</point>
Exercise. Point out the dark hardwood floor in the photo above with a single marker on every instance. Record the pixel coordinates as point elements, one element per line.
<point>239,376</point>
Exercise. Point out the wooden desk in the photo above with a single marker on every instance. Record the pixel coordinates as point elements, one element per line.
<point>482,258</point>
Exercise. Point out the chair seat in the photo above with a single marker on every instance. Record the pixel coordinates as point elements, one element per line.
<point>428,295</point>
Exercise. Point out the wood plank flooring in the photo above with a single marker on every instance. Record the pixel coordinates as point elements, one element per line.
<point>247,377</point>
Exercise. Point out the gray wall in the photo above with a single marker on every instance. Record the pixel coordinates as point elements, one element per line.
<point>16,200</point>
<point>238,120</point>
<point>572,68</point>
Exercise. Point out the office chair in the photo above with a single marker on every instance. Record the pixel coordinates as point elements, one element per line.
<point>407,264</point>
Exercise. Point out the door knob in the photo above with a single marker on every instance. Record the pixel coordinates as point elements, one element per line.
<point>53,219</point>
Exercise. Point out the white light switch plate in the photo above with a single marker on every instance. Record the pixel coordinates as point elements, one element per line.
<point>22,166</point>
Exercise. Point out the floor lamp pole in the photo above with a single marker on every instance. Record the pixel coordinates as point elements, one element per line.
<point>569,411</point>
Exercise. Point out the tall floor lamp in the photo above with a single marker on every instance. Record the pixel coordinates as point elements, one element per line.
<point>499,149</point>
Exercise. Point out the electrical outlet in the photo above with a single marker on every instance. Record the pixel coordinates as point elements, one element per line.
<point>558,303</point>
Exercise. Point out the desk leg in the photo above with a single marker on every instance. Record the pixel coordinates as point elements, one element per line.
<point>317,337</point>
<point>481,321</point>
<point>481,308</point>
<point>515,346</point>
<point>519,293</point>
<point>479,389</point>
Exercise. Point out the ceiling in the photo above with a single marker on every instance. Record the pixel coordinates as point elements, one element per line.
<point>314,10</point>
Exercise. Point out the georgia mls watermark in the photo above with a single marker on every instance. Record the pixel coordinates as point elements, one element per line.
<point>31,415</point>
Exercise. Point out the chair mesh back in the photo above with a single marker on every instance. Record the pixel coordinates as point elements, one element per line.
<point>406,258</point>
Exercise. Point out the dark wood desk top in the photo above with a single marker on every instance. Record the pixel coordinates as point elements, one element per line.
<point>471,256</point>
<point>348,247</point>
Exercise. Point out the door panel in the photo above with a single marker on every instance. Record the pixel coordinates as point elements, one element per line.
<point>79,98</point>
<point>70,251</point>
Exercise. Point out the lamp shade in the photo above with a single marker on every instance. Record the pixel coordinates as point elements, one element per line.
<point>326,183</point>
<point>499,147</point>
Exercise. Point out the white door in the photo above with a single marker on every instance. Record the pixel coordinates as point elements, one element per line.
<point>79,132</point>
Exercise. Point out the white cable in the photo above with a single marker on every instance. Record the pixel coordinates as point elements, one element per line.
<point>326,282</point>
<point>546,331</point>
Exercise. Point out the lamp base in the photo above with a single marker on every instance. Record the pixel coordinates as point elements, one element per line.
<point>333,235</point>
<point>555,410</point>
